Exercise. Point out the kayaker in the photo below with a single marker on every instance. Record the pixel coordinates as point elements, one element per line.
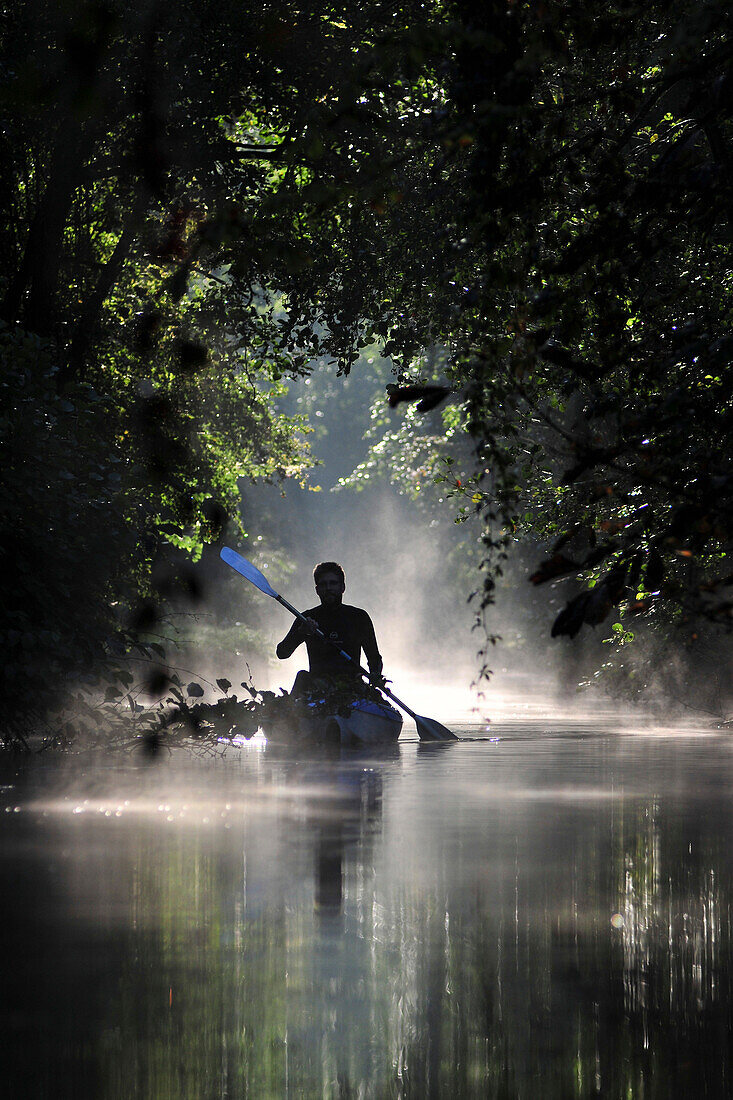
<point>349,627</point>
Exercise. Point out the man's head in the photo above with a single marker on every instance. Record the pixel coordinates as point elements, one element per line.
<point>330,582</point>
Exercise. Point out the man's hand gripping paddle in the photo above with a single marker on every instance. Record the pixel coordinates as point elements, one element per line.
<point>428,729</point>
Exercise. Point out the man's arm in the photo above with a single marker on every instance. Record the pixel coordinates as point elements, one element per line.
<point>291,641</point>
<point>369,645</point>
<point>299,632</point>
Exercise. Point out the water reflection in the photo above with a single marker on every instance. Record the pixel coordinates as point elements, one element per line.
<point>548,914</point>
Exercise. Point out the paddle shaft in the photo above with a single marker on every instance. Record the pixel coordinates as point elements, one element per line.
<point>342,653</point>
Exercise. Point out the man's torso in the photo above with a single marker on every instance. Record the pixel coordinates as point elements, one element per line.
<point>345,626</point>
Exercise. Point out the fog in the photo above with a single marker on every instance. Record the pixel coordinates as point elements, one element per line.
<point>395,569</point>
<point>414,570</point>
<point>406,562</point>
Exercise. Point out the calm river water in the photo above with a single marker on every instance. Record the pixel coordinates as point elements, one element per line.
<point>546,914</point>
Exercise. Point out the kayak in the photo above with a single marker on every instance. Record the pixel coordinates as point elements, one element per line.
<point>367,723</point>
<point>364,723</point>
<point>340,719</point>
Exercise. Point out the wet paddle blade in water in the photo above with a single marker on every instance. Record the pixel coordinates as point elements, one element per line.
<point>429,729</point>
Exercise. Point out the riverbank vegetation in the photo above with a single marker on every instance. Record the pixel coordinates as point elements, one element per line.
<point>523,206</point>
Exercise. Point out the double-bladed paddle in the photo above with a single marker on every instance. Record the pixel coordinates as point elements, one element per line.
<point>428,729</point>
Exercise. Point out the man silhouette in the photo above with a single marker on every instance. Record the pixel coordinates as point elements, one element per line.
<point>345,627</point>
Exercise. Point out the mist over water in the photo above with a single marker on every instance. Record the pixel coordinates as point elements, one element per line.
<point>409,566</point>
<point>394,570</point>
<point>401,568</point>
<point>413,569</point>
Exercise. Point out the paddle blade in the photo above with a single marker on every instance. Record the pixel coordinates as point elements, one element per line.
<point>248,570</point>
<point>430,730</point>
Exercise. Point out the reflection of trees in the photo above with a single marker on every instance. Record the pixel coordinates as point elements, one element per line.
<point>519,986</point>
<point>342,957</point>
<point>537,995</point>
<point>676,949</point>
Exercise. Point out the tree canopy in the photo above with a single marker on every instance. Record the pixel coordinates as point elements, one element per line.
<point>558,229</point>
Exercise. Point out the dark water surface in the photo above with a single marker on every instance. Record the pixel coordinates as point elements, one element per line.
<point>542,915</point>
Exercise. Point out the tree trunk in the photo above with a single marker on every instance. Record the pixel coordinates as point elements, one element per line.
<point>31,295</point>
<point>108,276</point>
